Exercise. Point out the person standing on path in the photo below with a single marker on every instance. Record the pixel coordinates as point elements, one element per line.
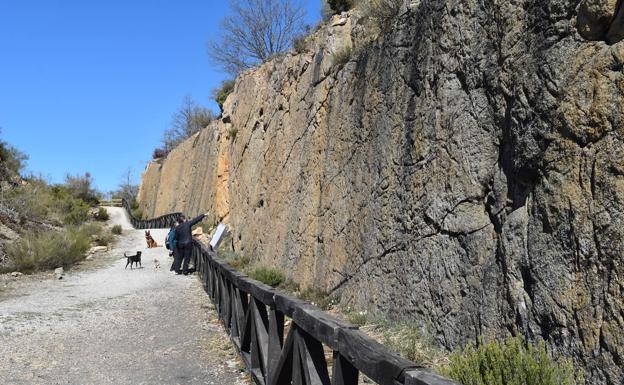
<point>184,240</point>
<point>171,244</point>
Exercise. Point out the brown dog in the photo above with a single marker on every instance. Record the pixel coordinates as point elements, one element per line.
<point>150,241</point>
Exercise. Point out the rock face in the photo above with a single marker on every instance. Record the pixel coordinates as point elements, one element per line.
<point>601,20</point>
<point>464,171</point>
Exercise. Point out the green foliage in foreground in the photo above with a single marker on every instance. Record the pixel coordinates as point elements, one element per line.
<point>48,250</point>
<point>512,362</point>
<point>267,275</point>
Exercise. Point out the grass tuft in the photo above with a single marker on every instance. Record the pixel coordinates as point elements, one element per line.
<point>267,275</point>
<point>357,318</point>
<point>238,261</point>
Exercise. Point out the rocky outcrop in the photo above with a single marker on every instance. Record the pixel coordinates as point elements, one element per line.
<point>601,20</point>
<point>464,171</point>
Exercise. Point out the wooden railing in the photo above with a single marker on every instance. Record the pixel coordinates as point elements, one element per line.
<point>162,222</point>
<point>257,316</point>
<point>114,202</point>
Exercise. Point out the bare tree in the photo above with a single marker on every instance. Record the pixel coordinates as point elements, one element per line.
<point>187,121</point>
<point>127,189</point>
<point>255,31</point>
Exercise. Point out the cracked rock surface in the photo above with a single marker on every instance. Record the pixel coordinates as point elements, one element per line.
<point>103,324</point>
<point>464,171</point>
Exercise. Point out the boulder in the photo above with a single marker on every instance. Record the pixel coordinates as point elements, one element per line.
<point>59,272</point>
<point>16,274</point>
<point>616,30</point>
<point>596,19</point>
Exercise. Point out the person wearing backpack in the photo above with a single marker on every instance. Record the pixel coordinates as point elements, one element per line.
<point>184,246</point>
<point>171,245</point>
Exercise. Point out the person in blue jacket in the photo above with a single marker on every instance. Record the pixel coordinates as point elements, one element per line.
<point>184,240</point>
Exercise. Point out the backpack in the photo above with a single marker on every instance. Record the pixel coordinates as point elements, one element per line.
<point>171,242</point>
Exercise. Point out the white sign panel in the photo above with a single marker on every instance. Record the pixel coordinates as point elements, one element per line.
<point>218,236</point>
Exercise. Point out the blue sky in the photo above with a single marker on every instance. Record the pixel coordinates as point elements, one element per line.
<point>91,85</point>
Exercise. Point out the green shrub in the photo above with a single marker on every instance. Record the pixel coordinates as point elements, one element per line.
<point>105,239</point>
<point>357,318</point>
<point>91,229</point>
<point>267,275</point>
<point>342,56</point>
<point>97,234</point>
<point>47,250</point>
<point>12,160</point>
<point>512,362</point>
<point>116,230</point>
<point>102,214</point>
<point>232,133</point>
<point>137,213</point>
<point>31,201</point>
<point>76,212</point>
<point>81,187</point>
<point>220,95</point>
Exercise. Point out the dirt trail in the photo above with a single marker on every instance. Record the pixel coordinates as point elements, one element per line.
<point>103,324</point>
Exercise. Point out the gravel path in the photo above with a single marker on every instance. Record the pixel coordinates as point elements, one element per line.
<point>103,324</point>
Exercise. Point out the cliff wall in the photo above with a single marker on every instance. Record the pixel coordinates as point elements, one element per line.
<point>464,170</point>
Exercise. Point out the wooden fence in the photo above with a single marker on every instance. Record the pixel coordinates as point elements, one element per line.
<point>162,222</point>
<point>318,349</point>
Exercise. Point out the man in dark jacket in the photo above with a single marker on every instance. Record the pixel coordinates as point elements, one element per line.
<point>184,240</point>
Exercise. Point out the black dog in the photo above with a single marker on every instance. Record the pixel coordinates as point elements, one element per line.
<point>133,259</point>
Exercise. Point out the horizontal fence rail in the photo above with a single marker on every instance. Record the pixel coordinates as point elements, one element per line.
<point>318,349</point>
<point>115,202</point>
<point>162,222</point>
<point>254,316</point>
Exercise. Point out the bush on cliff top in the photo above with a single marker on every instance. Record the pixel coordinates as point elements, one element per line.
<point>220,94</point>
<point>512,362</point>
<point>186,122</point>
<point>338,6</point>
